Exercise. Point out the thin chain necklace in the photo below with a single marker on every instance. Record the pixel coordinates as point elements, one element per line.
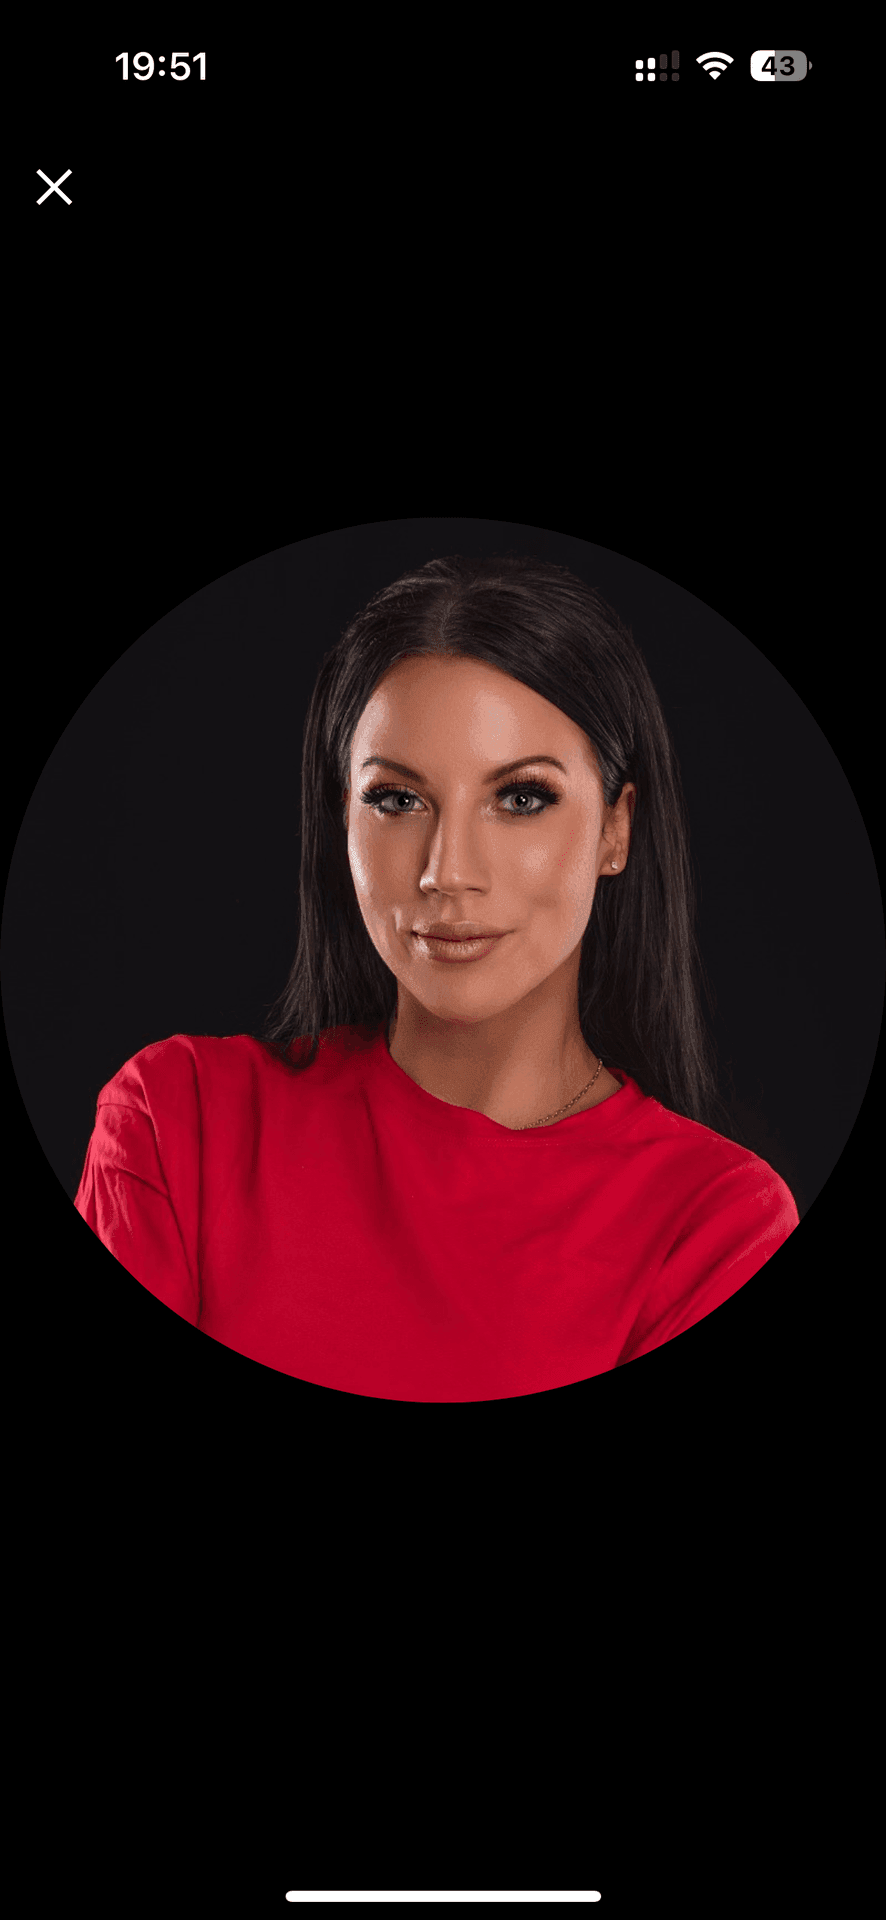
<point>556,1116</point>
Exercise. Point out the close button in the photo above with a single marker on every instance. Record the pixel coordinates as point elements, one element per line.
<point>53,187</point>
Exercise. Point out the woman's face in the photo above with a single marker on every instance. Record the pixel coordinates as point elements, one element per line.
<point>459,848</point>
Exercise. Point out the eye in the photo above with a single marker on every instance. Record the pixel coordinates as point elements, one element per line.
<point>538,790</point>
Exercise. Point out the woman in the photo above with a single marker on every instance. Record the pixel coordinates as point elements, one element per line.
<point>422,1180</point>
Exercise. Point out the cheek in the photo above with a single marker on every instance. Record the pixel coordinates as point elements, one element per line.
<point>561,865</point>
<point>578,856</point>
<point>362,863</point>
<point>373,869</point>
<point>355,862</point>
<point>569,882</point>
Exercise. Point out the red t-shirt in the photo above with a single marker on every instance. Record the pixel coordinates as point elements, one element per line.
<point>345,1226</point>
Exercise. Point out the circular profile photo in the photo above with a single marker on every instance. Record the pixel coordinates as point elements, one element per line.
<point>438,905</point>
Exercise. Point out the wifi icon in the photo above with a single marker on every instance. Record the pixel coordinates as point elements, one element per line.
<point>715,63</point>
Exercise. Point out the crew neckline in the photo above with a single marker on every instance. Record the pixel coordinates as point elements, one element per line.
<point>424,1103</point>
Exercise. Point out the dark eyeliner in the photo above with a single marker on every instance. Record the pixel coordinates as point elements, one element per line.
<point>538,788</point>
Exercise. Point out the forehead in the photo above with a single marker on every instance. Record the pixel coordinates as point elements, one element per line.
<point>438,704</point>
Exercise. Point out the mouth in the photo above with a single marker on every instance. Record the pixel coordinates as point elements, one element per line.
<point>432,947</point>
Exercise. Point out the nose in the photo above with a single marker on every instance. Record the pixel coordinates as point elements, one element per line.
<point>455,863</point>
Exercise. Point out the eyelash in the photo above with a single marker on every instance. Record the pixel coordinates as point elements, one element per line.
<point>539,789</point>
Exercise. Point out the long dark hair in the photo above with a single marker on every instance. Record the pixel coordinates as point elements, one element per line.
<point>640,971</point>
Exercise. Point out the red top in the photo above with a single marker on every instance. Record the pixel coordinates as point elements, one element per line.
<point>347,1227</point>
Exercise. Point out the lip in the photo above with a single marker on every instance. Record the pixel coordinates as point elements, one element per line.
<point>432,947</point>
<point>458,930</point>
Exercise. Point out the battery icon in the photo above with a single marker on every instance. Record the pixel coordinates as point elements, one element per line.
<point>772,63</point>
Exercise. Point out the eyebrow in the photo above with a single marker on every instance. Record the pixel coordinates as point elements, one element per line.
<point>546,759</point>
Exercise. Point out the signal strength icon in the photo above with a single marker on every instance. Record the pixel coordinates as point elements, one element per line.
<point>662,73</point>
<point>714,63</point>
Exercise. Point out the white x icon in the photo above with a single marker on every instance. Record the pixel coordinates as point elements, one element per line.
<point>53,187</point>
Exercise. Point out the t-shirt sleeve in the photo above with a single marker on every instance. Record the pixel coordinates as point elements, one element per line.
<point>736,1225</point>
<point>136,1198</point>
